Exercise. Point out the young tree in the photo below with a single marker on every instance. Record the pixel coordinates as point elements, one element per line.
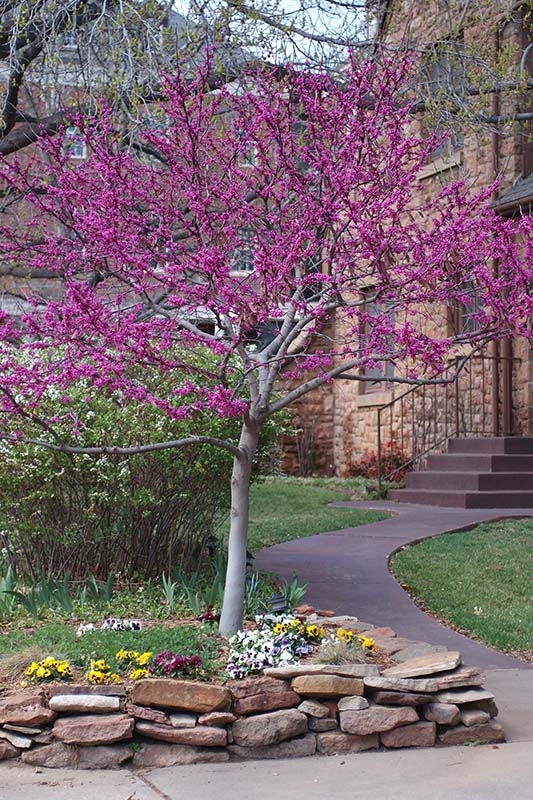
<point>270,207</point>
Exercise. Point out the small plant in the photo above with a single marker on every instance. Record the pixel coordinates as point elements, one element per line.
<point>100,672</point>
<point>49,669</point>
<point>294,593</point>
<point>394,462</point>
<point>172,665</point>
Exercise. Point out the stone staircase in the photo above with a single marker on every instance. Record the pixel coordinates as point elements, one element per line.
<point>494,472</point>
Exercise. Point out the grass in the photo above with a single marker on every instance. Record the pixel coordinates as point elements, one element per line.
<point>478,581</point>
<point>291,508</point>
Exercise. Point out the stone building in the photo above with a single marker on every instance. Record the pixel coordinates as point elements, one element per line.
<point>475,62</point>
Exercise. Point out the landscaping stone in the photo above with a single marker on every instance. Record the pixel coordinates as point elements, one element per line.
<point>23,729</point>
<point>314,709</point>
<point>380,633</point>
<point>322,725</point>
<point>182,720</point>
<point>46,737</point>
<point>346,622</point>
<point>7,751</point>
<point>294,748</point>
<point>391,644</point>
<point>304,610</point>
<point>186,695</point>
<point>336,742</point>
<point>16,739</point>
<point>326,613</point>
<point>421,734</point>
<point>342,670</point>
<point>56,756</point>
<point>148,714</point>
<point>104,756</point>
<point>217,719</point>
<point>71,703</point>
<point>418,649</point>
<point>266,729</point>
<point>376,719</point>
<point>489,732</point>
<point>443,713</point>
<point>463,676</point>
<point>247,687</point>
<point>171,755</point>
<point>25,709</point>
<point>327,685</point>
<point>267,701</point>
<point>93,729</point>
<point>424,665</point>
<point>461,696</point>
<point>401,698</point>
<point>201,735</point>
<point>113,690</point>
<point>485,705</point>
<point>352,703</point>
<point>474,716</point>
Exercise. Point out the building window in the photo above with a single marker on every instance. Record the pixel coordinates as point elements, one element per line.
<point>444,77</point>
<point>243,255</point>
<point>376,378</point>
<point>74,145</point>
<point>527,66</point>
<point>462,316</point>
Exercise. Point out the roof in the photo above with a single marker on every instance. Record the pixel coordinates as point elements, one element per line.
<point>517,199</point>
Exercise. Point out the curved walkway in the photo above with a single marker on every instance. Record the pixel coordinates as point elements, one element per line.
<point>347,571</point>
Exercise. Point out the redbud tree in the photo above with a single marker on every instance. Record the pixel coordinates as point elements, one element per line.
<point>215,264</point>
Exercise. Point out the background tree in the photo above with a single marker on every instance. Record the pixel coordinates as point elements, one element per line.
<point>270,206</point>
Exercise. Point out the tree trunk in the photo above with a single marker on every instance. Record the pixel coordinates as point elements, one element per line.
<point>233,606</point>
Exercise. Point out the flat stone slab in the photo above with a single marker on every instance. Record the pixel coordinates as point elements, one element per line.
<point>490,732</point>
<point>201,735</point>
<point>460,697</point>
<point>420,734</point>
<point>389,698</point>
<point>314,709</point>
<point>266,701</point>
<point>443,713</point>
<point>56,756</point>
<point>342,670</point>
<point>376,719</point>
<point>16,739</point>
<point>217,719</point>
<point>185,695</point>
<point>93,729</point>
<point>258,684</point>
<point>267,729</point>
<point>7,751</point>
<point>148,714</point>
<point>474,716</point>
<point>92,703</point>
<point>104,756</point>
<point>425,665</point>
<point>322,725</point>
<point>462,676</point>
<point>418,649</point>
<point>182,720</point>
<point>339,743</point>
<point>390,644</point>
<point>354,703</point>
<point>327,685</point>
<point>25,709</point>
<point>113,690</point>
<point>294,748</point>
<point>172,755</point>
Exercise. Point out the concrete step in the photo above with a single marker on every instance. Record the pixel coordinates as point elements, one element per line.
<point>470,481</point>
<point>492,445</point>
<point>467,462</point>
<point>456,499</point>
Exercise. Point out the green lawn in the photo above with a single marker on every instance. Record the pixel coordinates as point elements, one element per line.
<point>290,508</point>
<point>479,581</point>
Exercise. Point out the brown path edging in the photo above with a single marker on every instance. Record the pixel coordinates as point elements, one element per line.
<point>348,570</point>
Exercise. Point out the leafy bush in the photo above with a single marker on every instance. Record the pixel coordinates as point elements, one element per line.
<point>393,461</point>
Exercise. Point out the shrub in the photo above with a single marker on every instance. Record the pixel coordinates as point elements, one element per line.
<point>393,460</point>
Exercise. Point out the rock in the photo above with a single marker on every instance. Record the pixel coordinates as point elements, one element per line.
<point>201,735</point>
<point>16,739</point>
<point>45,737</point>
<point>380,633</point>
<point>217,719</point>
<point>268,701</point>
<point>247,687</point>
<point>352,703</point>
<point>391,644</point>
<point>170,755</point>
<point>343,670</point>
<point>326,613</point>
<point>93,729</point>
<point>23,729</point>
<point>185,695</point>
<point>461,696</point>
<point>7,751</point>
<point>418,649</point>
<point>113,690</point>
<point>266,729</point>
<point>376,719</point>
<point>485,705</point>
<point>322,725</point>
<point>148,714</point>
<point>182,720</point>
<point>25,709</point>
<point>314,709</point>
<point>327,685</point>
<point>463,676</point>
<point>294,748</point>
<point>56,756</point>
<point>474,716</point>
<point>427,664</point>
<point>443,713</point>
<point>489,732</point>
<point>72,703</point>
<point>336,742</point>
<point>348,623</point>
<point>421,734</point>
<point>304,610</point>
<point>104,756</point>
<point>401,698</point>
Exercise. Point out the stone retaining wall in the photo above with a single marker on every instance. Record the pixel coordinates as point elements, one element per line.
<point>288,712</point>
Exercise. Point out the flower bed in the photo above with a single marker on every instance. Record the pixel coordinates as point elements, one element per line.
<point>290,710</point>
